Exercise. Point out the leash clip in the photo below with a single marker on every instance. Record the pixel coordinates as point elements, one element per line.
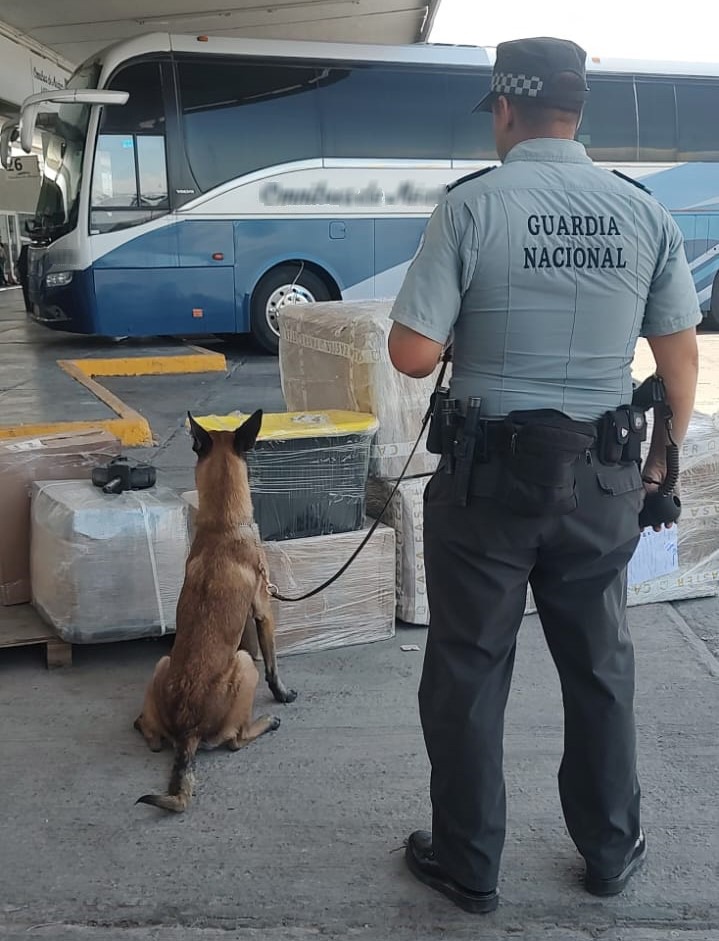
<point>270,587</point>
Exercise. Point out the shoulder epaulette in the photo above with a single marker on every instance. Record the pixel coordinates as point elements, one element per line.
<point>468,177</point>
<point>634,182</point>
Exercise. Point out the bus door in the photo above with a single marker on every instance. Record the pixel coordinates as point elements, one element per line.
<point>149,274</point>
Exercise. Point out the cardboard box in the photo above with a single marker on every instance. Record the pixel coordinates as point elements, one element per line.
<point>359,608</point>
<point>107,567</point>
<point>23,461</point>
<point>334,355</point>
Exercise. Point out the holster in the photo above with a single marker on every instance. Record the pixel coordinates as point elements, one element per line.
<point>621,434</point>
<point>434,435</point>
<point>443,426</point>
<point>542,449</point>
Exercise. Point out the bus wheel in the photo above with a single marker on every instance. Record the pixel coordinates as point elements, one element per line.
<point>285,285</point>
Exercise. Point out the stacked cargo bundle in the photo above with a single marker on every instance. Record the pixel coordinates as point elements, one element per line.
<point>335,355</point>
<point>107,566</point>
<point>308,477</point>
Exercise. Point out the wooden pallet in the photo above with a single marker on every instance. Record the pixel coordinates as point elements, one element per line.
<point>20,626</point>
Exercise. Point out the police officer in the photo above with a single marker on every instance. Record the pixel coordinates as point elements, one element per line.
<point>542,274</point>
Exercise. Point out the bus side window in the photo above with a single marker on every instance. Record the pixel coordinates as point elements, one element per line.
<point>657,120</point>
<point>129,183</point>
<point>472,135</point>
<point>152,171</point>
<point>609,123</point>
<point>698,107</point>
<point>241,116</point>
<point>114,182</point>
<point>385,113</point>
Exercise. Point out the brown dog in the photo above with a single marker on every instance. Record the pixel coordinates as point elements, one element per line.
<point>203,693</point>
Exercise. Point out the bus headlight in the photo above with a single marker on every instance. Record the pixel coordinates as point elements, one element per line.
<point>58,279</point>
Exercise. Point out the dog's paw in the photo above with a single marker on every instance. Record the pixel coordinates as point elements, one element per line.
<point>281,693</point>
<point>275,722</point>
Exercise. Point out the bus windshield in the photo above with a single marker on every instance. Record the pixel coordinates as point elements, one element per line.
<point>64,134</point>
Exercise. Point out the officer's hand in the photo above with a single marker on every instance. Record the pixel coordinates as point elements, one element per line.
<point>653,474</point>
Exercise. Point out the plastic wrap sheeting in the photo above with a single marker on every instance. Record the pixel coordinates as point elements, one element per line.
<point>334,355</point>
<point>359,608</point>
<point>405,515</point>
<point>64,456</point>
<point>308,470</point>
<point>698,526</point>
<point>107,567</point>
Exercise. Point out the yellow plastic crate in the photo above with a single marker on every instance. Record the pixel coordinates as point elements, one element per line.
<point>293,425</point>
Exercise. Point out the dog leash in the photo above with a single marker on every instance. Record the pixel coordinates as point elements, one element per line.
<point>274,591</point>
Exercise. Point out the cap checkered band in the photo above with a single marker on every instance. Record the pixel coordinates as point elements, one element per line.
<point>504,83</point>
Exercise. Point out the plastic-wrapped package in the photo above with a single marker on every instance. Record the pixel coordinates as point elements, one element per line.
<point>67,456</point>
<point>698,526</point>
<point>107,567</point>
<point>405,514</point>
<point>334,355</point>
<point>359,608</point>
<point>308,470</point>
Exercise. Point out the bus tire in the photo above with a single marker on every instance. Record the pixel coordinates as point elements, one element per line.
<point>713,315</point>
<point>286,284</point>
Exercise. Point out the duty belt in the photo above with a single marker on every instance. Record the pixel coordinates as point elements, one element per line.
<point>543,439</point>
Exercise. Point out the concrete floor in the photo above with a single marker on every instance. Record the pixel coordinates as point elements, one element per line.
<point>300,836</point>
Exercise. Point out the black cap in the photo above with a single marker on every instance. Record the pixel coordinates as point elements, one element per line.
<point>528,69</point>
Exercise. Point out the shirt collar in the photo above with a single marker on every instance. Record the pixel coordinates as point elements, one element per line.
<point>552,149</point>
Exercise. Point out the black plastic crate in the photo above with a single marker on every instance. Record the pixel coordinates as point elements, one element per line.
<point>308,471</point>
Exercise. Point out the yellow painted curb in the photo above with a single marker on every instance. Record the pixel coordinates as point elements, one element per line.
<point>132,434</point>
<point>130,426</point>
<point>199,361</point>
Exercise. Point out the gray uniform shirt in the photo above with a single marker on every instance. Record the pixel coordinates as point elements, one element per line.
<point>546,270</point>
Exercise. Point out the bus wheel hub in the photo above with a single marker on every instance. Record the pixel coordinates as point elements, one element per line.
<point>284,296</point>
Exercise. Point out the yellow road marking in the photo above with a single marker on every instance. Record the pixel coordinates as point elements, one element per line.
<point>130,426</point>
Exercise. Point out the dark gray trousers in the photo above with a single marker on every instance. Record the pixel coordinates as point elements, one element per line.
<point>479,559</point>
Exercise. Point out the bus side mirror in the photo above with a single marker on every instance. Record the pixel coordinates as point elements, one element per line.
<point>8,136</point>
<point>32,106</point>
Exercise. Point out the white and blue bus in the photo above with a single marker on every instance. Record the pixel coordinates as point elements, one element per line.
<point>244,175</point>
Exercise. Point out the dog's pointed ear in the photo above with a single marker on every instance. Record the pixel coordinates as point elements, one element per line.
<point>246,434</point>
<point>201,439</point>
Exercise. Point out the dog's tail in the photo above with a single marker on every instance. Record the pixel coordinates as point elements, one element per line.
<point>182,779</point>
